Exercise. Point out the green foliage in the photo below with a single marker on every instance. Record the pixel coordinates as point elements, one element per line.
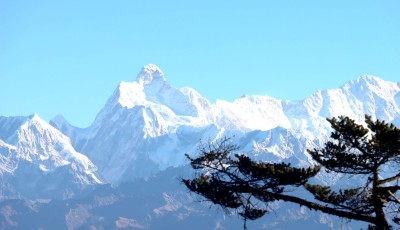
<point>235,181</point>
<point>355,200</point>
<point>238,182</point>
<point>215,190</point>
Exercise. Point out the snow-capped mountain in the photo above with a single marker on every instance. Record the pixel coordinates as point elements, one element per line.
<point>141,135</point>
<point>147,125</point>
<point>37,160</point>
<point>150,121</point>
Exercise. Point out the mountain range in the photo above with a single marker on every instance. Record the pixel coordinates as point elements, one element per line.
<point>123,170</point>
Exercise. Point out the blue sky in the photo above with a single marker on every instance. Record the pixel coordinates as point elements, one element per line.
<point>67,57</point>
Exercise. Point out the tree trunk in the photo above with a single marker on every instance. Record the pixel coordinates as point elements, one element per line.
<point>381,222</point>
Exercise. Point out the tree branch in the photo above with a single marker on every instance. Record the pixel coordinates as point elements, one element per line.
<point>390,179</point>
<point>394,197</point>
<point>325,209</point>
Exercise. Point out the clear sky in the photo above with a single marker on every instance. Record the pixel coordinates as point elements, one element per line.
<point>67,57</point>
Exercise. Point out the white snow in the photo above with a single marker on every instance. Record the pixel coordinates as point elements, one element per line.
<point>45,147</point>
<point>151,121</point>
<point>148,125</point>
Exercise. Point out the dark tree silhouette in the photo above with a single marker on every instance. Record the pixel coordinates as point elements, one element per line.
<point>234,181</point>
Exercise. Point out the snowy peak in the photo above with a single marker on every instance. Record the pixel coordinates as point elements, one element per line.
<point>30,143</point>
<point>371,84</point>
<point>364,95</point>
<point>152,120</point>
<point>149,74</point>
<point>147,88</point>
<point>371,81</point>
<point>151,90</point>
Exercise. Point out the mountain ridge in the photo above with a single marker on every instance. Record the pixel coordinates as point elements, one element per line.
<point>131,157</point>
<point>35,156</point>
<point>150,110</point>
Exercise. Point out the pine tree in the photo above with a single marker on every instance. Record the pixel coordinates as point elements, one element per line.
<point>235,181</point>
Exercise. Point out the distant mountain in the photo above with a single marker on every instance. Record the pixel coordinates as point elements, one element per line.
<point>37,161</point>
<point>158,202</point>
<point>147,125</point>
<point>123,171</point>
